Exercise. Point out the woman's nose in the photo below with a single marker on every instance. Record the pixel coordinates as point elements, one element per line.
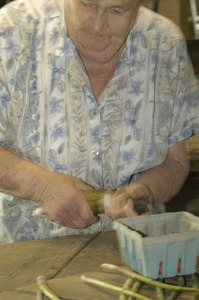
<point>99,21</point>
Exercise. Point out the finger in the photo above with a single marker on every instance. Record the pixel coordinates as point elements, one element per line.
<point>84,186</point>
<point>114,205</point>
<point>129,209</point>
<point>86,214</point>
<point>79,219</point>
<point>148,210</point>
<point>142,205</point>
<point>78,214</point>
<point>121,211</point>
<point>71,223</point>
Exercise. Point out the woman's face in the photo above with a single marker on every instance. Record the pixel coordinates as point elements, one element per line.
<point>99,28</point>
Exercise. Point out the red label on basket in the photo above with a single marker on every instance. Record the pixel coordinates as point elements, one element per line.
<point>197,263</point>
<point>179,265</point>
<point>160,267</point>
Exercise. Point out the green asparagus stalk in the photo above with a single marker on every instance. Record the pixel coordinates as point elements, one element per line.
<point>160,292</point>
<point>40,295</point>
<point>175,294</point>
<point>113,287</point>
<point>195,297</point>
<point>195,280</point>
<point>41,282</point>
<point>148,280</point>
<point>136,287</point>
<point>95,199</point>
<point>127,286</point>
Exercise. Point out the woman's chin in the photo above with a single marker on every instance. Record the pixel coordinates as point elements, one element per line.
<point>98,54</point>
<point>96,45</point>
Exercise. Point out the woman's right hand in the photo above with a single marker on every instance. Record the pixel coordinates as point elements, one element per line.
<point>63,202</point>
<point>59,195</point>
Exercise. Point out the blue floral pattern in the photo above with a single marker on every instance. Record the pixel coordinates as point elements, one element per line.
<point>49,114</point>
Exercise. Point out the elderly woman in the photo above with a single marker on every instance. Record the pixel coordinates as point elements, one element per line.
<point>93,94</point>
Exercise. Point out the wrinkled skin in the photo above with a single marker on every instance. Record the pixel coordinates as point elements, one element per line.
<point>133,200</point>
<point>158,184</point>
<point>63,202</point>
<point>99,28</point>
<point>61,195</point>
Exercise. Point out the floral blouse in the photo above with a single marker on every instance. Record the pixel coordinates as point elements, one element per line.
<point>48,113</point>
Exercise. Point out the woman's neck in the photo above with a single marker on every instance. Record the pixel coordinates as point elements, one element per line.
<point>99,73</point>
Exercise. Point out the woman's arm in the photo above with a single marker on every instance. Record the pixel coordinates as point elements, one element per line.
<point>59,195</point>
<point>166,180</point>
<point>20,177</point>
<point>155,185</point>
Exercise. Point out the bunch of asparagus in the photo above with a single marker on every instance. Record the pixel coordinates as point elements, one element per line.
<point>131,288</point>
<point>135,281</point>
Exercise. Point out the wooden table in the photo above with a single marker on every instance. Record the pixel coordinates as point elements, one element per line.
<point>55,258</point>
<point>61,260</point>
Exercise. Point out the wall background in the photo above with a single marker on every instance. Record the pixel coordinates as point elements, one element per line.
<point>179,12</point>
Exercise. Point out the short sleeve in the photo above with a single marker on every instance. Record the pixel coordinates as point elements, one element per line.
<point>180,90</point>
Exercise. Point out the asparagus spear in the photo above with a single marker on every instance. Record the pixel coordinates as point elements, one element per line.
<point>175,294</point>
<point>113,287</point>
<point>149,280</point>
<point>195,280</point>
<point>40,295</point>
<point>136,287</point>
<point>45,290</point>
<point>127,286</point>
<point>95,199</point>
<point>160,292</point>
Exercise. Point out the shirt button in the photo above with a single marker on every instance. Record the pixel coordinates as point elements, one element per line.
<point>95,152</point>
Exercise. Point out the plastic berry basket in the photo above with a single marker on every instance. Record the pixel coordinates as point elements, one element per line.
<point>169,247</point>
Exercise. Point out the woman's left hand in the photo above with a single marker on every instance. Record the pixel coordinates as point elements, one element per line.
<point>133,200</point>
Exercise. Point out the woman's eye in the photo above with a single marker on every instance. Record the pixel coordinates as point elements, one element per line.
<point>88,4</point>
<point>116,11</point>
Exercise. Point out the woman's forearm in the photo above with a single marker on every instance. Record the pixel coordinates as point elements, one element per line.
<point>27,180</point>
<point>20,177</point>
<point>166,180</point>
